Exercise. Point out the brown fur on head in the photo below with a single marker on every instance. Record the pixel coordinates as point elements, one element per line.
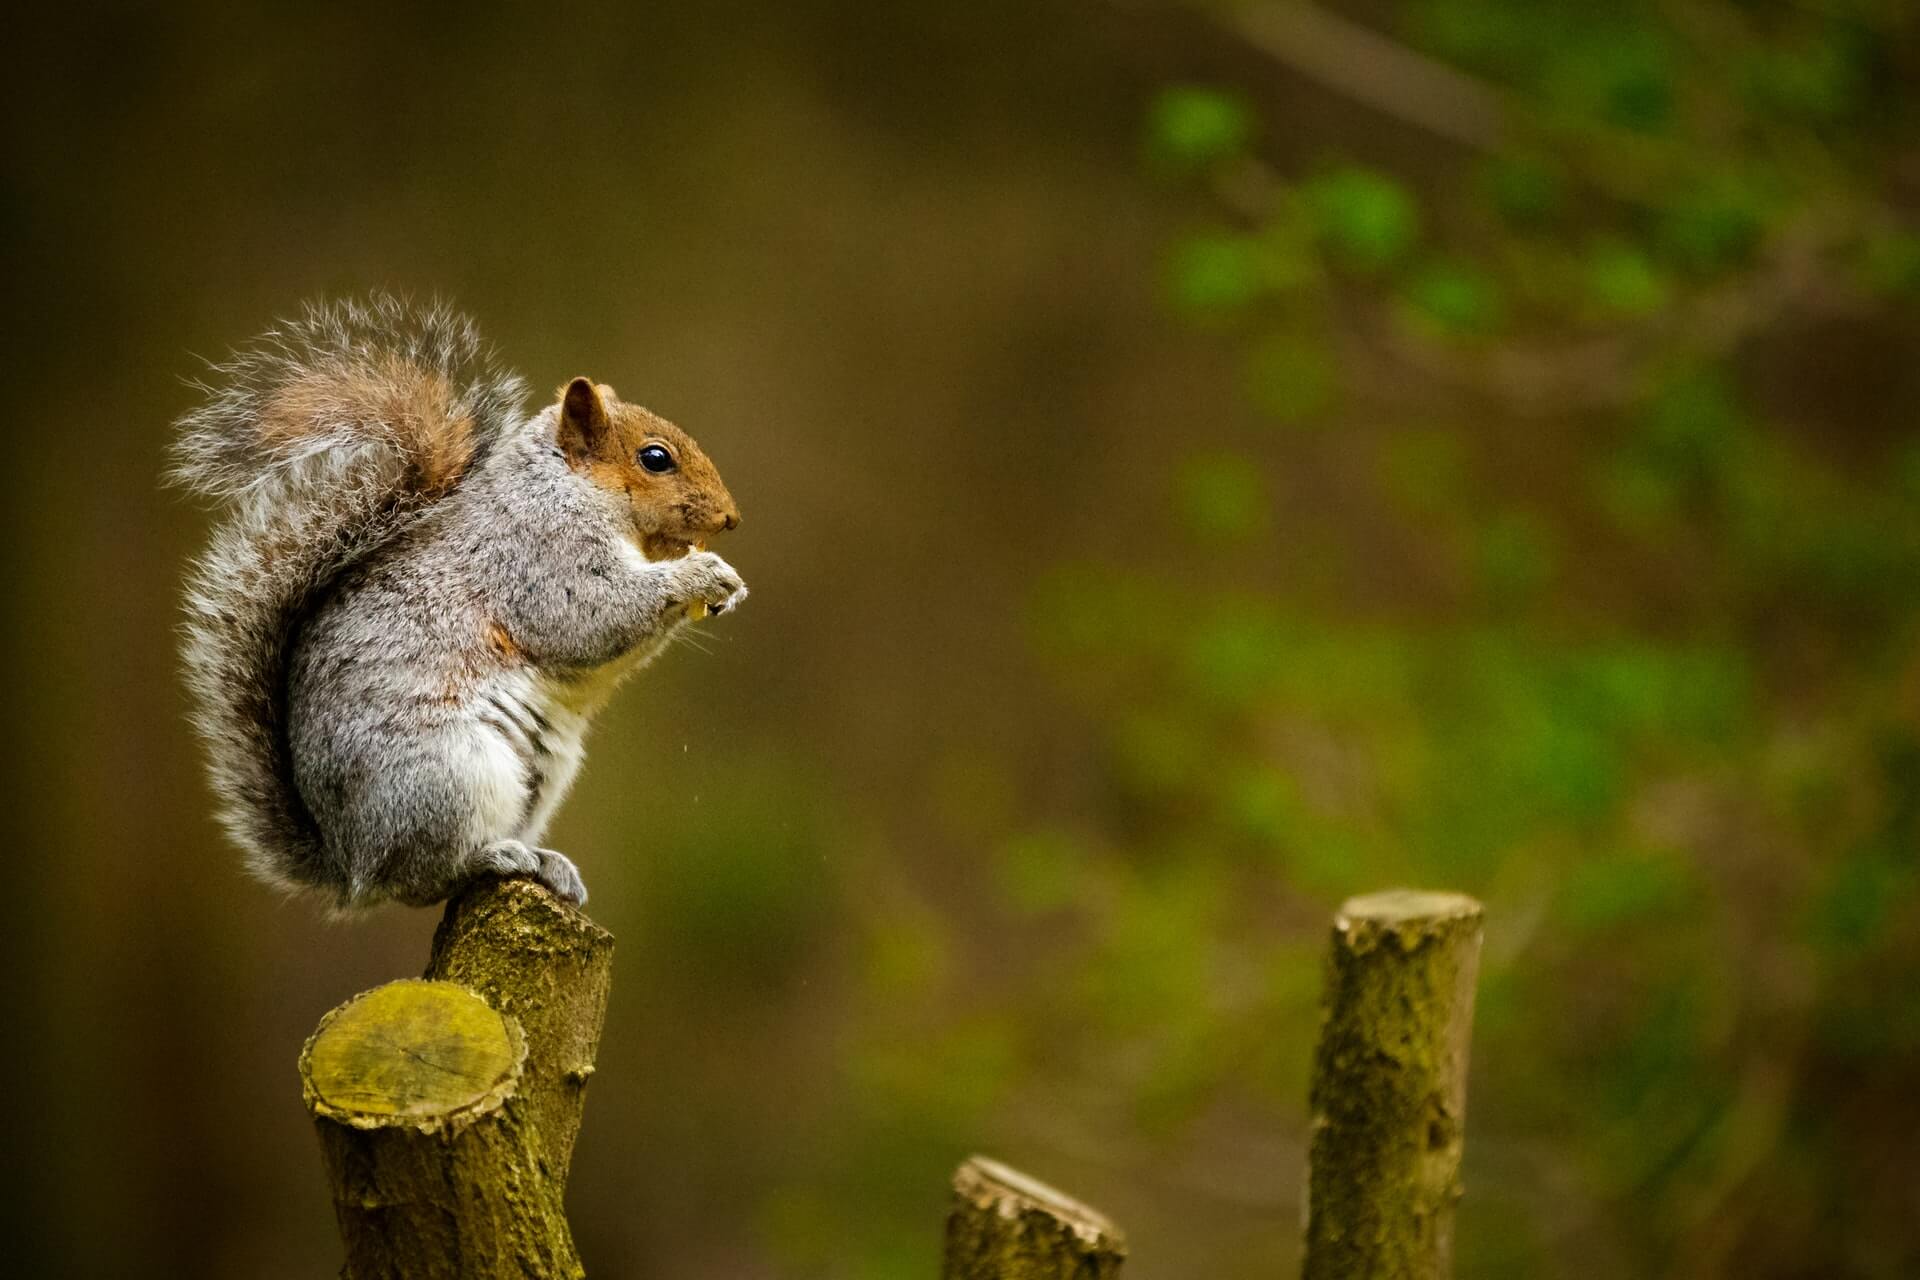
<point>609,441</point>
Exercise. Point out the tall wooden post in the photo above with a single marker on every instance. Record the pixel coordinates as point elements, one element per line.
<point>1389,1089</point>
<point>447,1108</point>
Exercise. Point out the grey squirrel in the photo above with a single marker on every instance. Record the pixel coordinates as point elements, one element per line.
<point>421,594</point>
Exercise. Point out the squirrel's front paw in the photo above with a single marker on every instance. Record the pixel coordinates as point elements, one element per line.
<point>707,584</point>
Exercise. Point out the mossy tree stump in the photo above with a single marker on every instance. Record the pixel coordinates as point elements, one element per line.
<point>1007,1226</point>
<point>540,961</point>
<point>447,1108</point>
<point>1389,1091</point>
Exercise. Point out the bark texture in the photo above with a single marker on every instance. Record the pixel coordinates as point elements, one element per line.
<point>536,959</point>
<point>1390,1087</point>
<point>1006,1226</point>
<point>447,1108</point>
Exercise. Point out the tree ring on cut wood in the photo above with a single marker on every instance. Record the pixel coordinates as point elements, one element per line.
<point>414,1053</point>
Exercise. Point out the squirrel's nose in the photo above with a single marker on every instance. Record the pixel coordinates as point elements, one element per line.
<point>730,521</point>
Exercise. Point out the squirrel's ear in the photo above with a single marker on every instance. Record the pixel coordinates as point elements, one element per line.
<point>584,428</point>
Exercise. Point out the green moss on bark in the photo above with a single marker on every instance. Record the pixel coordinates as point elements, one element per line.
<point>536,959</point>
<point>447,1109</point>
<point>1006,1226</point>
<point>1389,1087</point>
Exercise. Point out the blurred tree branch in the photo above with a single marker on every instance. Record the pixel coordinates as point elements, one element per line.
<point>1359,63</point>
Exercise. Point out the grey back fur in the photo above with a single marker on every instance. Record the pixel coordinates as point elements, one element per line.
<point>301,510</point>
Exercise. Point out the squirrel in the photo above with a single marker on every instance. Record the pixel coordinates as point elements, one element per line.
<point>421,594</point>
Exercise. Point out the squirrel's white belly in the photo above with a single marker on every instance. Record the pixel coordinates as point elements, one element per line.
<point>566,749</point>
<point>497,782</point>
<point>529,748</point>
<point>531,742</point>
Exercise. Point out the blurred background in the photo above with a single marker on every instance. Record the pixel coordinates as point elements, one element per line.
<point>1198,463</point>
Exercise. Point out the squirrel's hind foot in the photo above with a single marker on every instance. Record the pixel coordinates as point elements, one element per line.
<point>554,870</point>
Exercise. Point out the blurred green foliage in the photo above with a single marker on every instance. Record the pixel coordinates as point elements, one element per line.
<point>1364,220</point>
<point>1636,663</point>
<point>1195,126</point>
<point>1529,509</point>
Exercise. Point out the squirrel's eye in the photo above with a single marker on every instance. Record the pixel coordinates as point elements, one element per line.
<point>655,459</point>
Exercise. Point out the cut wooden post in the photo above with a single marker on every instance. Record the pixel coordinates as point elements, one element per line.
<point>1006,1226</point>
<point>447,1109</point>
<point>536,959</point>
<point>1390,1087</point>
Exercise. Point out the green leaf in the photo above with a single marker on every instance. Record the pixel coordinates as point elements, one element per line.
<point>1230,655</point>
<point>1369,220</point>
<point>1191,126</point>
<point>1216,272</point>
<point>1264,804</point>
<point>1454,299</point>
<point>1635,80</point>
<point>1623,281</point>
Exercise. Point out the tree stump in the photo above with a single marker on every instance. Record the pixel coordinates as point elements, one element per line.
<point>447,1107</point>
<point>1006,1226</point>
<point>536,959</point>
<point>1390,1087</point>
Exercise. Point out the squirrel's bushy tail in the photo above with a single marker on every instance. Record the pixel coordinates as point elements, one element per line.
<point>325,438</point>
